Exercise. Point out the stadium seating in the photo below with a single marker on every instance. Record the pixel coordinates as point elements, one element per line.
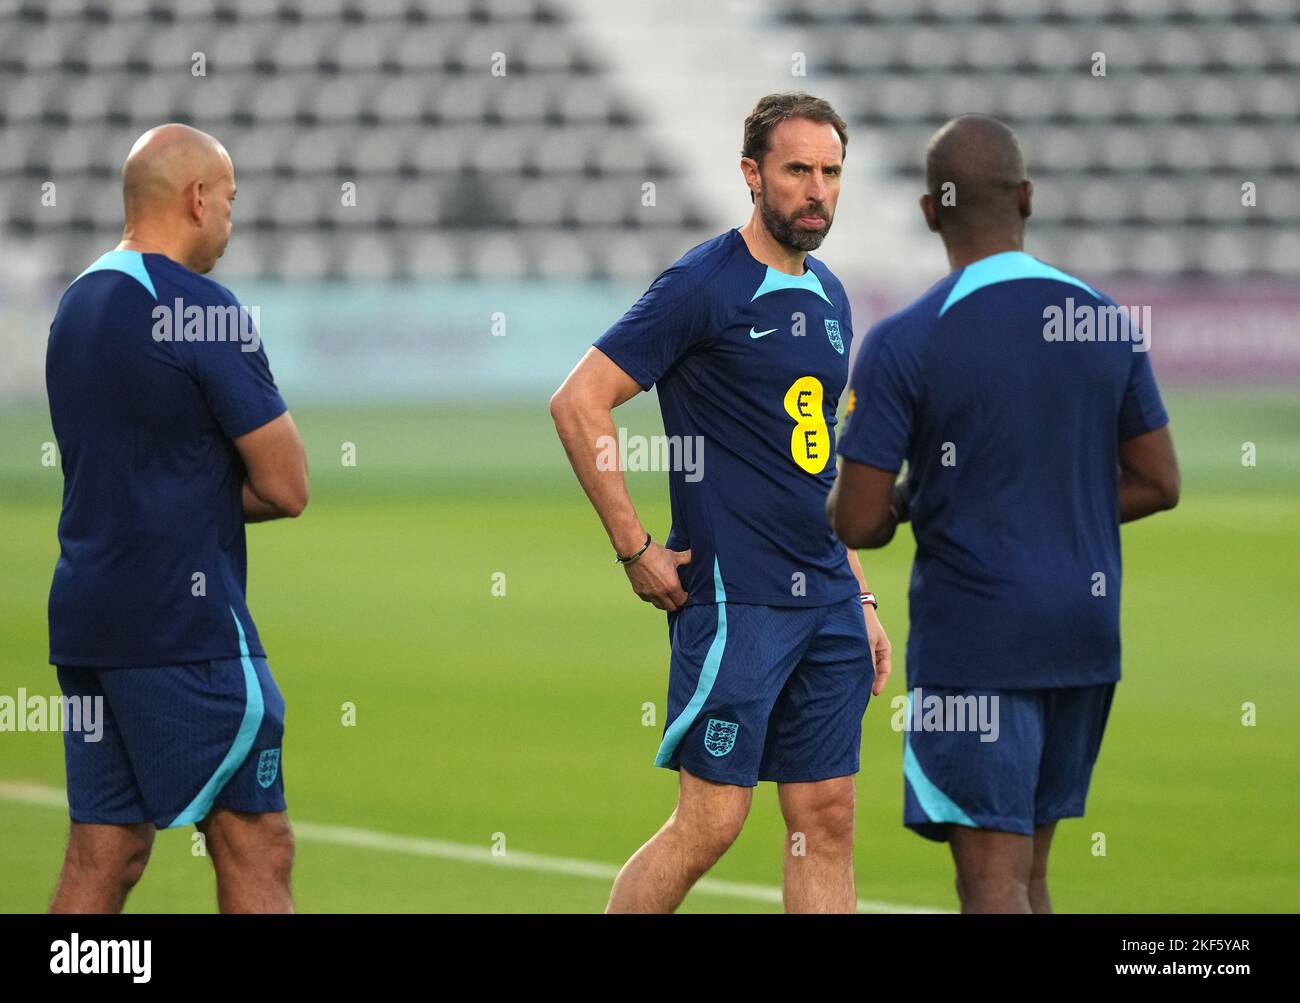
<point>538,173</point>
<point>459,172</point>
<point>1199,97</point>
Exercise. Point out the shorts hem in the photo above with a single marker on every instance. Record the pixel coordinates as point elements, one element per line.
<point>781,777</point>
<point>938,830</point>
<point>260,809</point>
<point>100,818</point>
<point>810,776</point>
<point>1072,811</point>
<point>255,651</point>
<point>715,776</point>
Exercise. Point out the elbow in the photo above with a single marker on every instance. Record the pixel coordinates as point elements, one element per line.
<point>293,503</point>
<point>567,412</point>
<point>1164,485</point>
<point>1170,490</point>
<point>291,500</point>
<point>297,500</point>
<point>878,537</point>
<point>857,530</point>
<point>561,409</point>
<point>862,535</point>
<point>296,505</point>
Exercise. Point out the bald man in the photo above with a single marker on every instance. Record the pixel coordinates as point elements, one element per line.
<point>172,435</point>
<point>1025,408</point>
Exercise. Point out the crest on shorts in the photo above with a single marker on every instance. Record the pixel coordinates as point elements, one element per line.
<point>833,332</point>
<point>268,765</point>
<point>720,736</point>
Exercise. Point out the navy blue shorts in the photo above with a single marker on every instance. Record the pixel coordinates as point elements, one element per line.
<point>179,741</point>
<point>766,692</point>
<point>1034,771</point>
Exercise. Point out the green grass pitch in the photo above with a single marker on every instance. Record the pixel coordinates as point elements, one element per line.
<point>484,719</point>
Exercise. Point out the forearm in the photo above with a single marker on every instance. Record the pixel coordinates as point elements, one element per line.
<point>589,436</point>
<point>1149,481</point>
<point>856,564</point>
<point>257,510</point>
<point>1139,498</point>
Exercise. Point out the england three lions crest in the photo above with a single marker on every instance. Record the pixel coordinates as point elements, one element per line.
<point>268,765</point>
<point>720,736</point>
<point>833,333</point>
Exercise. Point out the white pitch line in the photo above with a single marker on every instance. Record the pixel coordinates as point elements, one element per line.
<point>419,846</point>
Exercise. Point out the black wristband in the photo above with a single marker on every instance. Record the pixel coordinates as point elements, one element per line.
<point>901,503</point>
<point>625,561</point>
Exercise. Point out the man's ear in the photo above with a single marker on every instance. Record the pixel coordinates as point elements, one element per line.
<point>1026,198</point>
<point>749,168</point>
<point>195,198</point>
<point>927,210</point>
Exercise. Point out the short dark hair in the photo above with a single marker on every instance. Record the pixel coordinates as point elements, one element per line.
<point>980,157</point>
<point>774,109</point>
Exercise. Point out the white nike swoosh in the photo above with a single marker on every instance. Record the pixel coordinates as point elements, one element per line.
<point>759,334</point>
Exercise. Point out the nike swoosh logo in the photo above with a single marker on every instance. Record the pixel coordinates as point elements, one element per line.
<point>759,334</point>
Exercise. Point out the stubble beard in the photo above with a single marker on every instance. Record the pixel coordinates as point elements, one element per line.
<point>786,231</point>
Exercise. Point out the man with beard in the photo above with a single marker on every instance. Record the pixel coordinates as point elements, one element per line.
<point>773,629</point>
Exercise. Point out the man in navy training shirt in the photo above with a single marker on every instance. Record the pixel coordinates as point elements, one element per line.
<point>1026,447</point>
<point>770,620</point>
<point>172,436</point>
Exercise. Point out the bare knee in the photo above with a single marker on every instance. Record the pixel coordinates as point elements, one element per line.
<point>997,891</point>
<point>706,838</point>
<point>110,855</point>
<point>263,844</point>
<point>823,820</point>
<point>831,826</point>
<point>993,869</point>
<point>136,862</point>
<point>993,892</point>
<point>279,850</point>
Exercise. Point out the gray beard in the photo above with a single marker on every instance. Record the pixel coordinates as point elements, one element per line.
<point>786,233</point>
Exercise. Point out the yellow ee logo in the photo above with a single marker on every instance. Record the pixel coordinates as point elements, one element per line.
<point>810,442</point>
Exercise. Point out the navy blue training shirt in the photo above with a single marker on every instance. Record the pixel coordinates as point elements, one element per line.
<point>1011,438</point>
<point>752,361</point>
<point>144,416</point>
